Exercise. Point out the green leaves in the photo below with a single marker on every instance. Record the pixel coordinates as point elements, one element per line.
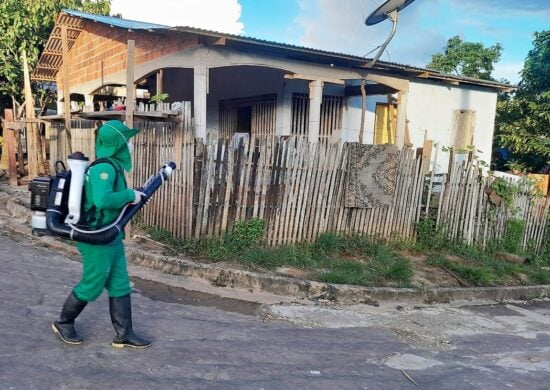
<point>26,25</point>
<point>523,126</point>
<point>536,71</point>
<point>466,59</point>
<point>160,97</point>
<point>523,121</point>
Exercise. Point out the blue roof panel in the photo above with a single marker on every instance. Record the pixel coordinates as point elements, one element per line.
<point>114,21</point>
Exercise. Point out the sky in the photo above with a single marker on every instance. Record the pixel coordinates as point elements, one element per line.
<point>338,25</point>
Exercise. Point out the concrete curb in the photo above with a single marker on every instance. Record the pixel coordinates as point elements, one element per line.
<point>341,293</point>
<point>228,277</point>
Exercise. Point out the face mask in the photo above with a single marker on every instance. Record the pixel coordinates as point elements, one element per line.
<point>130,146</point>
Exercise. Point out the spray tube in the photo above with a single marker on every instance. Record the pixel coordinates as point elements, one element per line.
<point>105,234</point>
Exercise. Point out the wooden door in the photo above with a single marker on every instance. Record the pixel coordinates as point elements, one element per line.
<point>385,123</point>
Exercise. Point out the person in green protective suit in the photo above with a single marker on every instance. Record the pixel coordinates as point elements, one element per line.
<point>104,266</point>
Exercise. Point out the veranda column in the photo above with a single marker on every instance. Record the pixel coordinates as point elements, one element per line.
<point>88,103</point>
<point>401,118</point>
<point>283,118</point>
<point>315,99</point>
<point>199,100</point>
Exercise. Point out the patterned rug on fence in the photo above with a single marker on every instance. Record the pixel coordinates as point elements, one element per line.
<point>371,175</point>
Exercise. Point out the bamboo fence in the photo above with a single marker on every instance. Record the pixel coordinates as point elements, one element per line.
<point>298,188</point>
<point>466,213</point>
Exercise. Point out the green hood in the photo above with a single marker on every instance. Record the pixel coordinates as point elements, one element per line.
<point>112,143</point>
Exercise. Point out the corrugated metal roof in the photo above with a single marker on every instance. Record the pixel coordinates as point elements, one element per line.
<point>363,61</point>
<point>48,70</point>
<point>114,21</point>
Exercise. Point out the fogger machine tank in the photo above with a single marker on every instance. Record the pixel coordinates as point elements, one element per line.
<point>56,202</point>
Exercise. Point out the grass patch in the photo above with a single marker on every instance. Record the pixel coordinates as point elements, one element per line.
<point>337,259</point>
<point>343,272</point>
<point>539,276</point>
<point>390,271</point>
<point>292,256</point>
<point>480,267</point>
<point>476,276</point>
<point>174,245</point>
<point>359,260</point>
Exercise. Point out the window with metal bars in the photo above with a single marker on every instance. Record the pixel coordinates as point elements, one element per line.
<point>254,115</point>
<point>331,114</point>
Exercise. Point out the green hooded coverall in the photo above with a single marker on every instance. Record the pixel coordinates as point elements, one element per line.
<point>105,194</point>
<point>104,266</point>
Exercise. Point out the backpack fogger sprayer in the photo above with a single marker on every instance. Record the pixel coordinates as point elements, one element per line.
<point>56,202</point>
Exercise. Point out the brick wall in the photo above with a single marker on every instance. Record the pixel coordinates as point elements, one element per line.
<point>101,48</point>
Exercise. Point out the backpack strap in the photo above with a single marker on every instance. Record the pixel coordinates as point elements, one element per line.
<point>92,215</point>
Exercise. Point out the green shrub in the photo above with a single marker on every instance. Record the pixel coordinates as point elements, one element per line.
<point>540,276</point>
<point>427,236</point>
<point>506,190</point>
<point>245,234</point>
<point>215,248</point>
<point>329,243</point>
<point>545,254</point>
<point>513,236</point>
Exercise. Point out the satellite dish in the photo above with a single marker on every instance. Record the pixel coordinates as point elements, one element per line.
<point>387,10</point>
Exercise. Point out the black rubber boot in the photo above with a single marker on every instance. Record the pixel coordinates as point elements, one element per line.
<point>64,326</point>
<point>121,317</point>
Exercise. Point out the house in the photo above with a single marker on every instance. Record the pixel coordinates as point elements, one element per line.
<point>244,85</point>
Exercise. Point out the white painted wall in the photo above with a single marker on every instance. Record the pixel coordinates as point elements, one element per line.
<point>351,122</point>
<point>432,107</point>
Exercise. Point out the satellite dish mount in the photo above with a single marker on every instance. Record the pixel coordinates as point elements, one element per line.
<point>388,10</point>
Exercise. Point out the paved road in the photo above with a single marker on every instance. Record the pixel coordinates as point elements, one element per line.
<point>209,348</point>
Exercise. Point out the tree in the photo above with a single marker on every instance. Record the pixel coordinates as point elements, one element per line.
<point>26,25</point>
<point>536,70</point>
<point>523,121</point>
<point>523,127</point>
<point>466,59</point>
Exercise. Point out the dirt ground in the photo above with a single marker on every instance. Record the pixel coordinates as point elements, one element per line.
<point>426,275</point>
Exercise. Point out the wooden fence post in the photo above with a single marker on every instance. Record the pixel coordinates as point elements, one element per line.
<point>130,89</point>
<point>130,107</point>
<point>34,140</point>
<point>363,110</point>
<point>9,138</point>
<point>66,87</point>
